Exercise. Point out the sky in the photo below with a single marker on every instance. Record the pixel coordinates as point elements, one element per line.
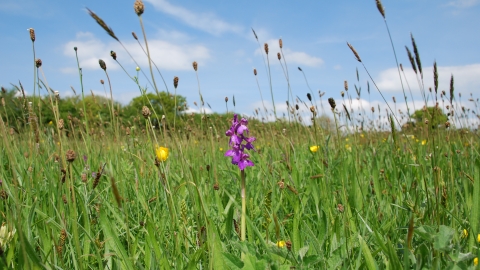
<point>218,36</point>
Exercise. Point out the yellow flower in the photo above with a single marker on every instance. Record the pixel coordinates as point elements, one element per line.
<point>417,140</point>
<point>314,148</point>
<point>348,147</point>
<point>478,238</point>
<point>424,142</point>
<point>161,153</point>
<point>464,233</point>
<point>50,123</point>
<point>280,244</point>
<point>475,261</point>
<point>361,135</point>
<point>221,149</point>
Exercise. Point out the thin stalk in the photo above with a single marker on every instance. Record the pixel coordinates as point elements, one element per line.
<point>243,228</point>
<point>80,74</point>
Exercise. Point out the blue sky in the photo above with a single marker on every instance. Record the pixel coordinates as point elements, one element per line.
<point>218,35</point>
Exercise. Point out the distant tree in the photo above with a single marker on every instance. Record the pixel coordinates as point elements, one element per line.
<point>434,115</point>
<point>163,104</point>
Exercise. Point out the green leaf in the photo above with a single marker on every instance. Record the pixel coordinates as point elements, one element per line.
<point>232,261</point>
<point>443,238</point>
<point>370,263</point>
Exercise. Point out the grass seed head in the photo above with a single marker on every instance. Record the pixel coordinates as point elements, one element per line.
<point>255,71</point>
<point>146,112</point>
<point>38,62</point>
<point>139,7</point>
<point>380,8</point>
<point>280,43</point>
<point>354,52</point>
<point>279,56</point>
<point>102,64</point>
<point>134,36</point>
<point>345,85</point>
<point>175,81</point>
<point>32,34</point>
<point>331,101</point>
<point>113,55</point>
<point>265,47</point>
<point>71,155</point>
<point>195,65</point>
<point>102,24</point>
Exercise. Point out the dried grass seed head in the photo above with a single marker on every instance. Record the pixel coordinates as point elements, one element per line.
<point>279,56</point>
<point>195,65</point>
<point>32,34</point>
<point>102,64</point>
<point>354,52</point>
<point>380,8</point>
<point>102,24</point>
<point>331,101</point>
<point>255,71</point>
<point>175,81</point>
<point>280,43</point>
<point>38,62</point>
<point>265,47</point>
<point>113,55</point>
<point>134,36</point>
<point>146,112</point>
<point>71,155</point>
<point>139,7</point>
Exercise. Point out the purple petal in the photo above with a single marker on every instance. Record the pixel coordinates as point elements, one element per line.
<point>241,129</point>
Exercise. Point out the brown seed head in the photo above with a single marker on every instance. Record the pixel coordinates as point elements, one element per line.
<point>102,81</point>
<point>175,81</point>
<point>279,56</point>
<point>195,65</point>
<point>134,36</point>
<point>32,34</point>
<point>102,64</point>
<point>70,155</point>
<point>255,71</point>
<point>139,7</point>
<point>61,124</point>
<point>113,55</point>
<point>265,47</point>
<point>380,8</point>
<point>102,24</point>
<point>146,112</point>
<point>309,96</point>
<point>447,124</point>
<point>280,43</point>
<point>354,52</point>
<point>342,93</point>
<point>226,99</point>
<point>288,244</point>
<point>331,101</point>
<point>216,186</point>
<point>38,62</point>
<point>394,100</point>
<point>345,85</point>
<point>340,208</point>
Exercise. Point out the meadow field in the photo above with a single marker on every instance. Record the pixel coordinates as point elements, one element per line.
<point>88,183</point>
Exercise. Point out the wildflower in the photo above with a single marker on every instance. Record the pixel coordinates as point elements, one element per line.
<point>314,148</point>
<point>280,244</point>
<point>237,133</point>
<point>478,238</point>
<point>50,123</point>
<point>362,135</point>
<point>221,149</point>
<point>475,261</point>
<point>424,142</point>
<point>137,68</point>
<point>348,147</point>
<point>464,233</point>
<point>161,153</point>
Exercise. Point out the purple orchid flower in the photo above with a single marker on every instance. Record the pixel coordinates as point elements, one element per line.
<point>237,133</point>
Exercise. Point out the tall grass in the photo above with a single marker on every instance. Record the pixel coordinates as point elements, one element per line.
<point>317,198</point>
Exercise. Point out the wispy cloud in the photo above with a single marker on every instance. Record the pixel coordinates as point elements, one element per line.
<point>292,57</point>
<point>463,3</point>
<point>167,56</point>
<point>465,77</point>
<point>207,22</point>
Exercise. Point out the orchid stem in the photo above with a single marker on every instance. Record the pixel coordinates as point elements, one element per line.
<point>243,228</point>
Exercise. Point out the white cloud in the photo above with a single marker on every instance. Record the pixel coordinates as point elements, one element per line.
<point>207,22</point>
<point>463,3</point>
<point>166,55</point>
<point>291,57</point>
<point>465,79</point>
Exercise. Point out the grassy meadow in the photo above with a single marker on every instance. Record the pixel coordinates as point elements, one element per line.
<point>156,191</point>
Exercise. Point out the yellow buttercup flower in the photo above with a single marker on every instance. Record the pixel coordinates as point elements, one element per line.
<point>50,123</point>
<point>280,244</point>
<point>161,153</point>
<point>314,148</point>
<point>424,142</point>
<point>464,233</point>
<point>221,149</point>
<point>475,261</point>
<point>478,238</point>
<point>361,135</point>
<point>348,147</point>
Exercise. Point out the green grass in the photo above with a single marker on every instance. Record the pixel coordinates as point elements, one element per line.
<point>381,197</point>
